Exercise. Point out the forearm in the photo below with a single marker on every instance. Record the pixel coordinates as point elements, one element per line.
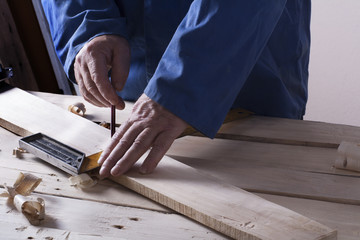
<point>210,57</point>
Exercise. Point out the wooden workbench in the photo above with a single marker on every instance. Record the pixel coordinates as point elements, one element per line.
<point>285,161</point>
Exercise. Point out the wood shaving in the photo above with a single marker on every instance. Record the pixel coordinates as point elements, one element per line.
<point>82,181</point>
<point>77,108</point>
<point>32,208</point>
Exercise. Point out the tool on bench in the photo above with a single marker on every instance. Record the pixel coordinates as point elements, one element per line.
<point>75,162</point>
<point>54,152</point>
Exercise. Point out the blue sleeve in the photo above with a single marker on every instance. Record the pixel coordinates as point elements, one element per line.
<point>210,57</point>
<point>73,23</point>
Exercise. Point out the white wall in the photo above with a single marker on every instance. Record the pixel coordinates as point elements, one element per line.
<point>334,83</point>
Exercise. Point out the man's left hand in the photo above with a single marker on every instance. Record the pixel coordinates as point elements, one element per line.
<point>149,126</point>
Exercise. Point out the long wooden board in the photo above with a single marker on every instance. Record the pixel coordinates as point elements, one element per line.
<point>342,217</point>
<point>289,131</point>
<point>288,170</point>
<point>93,113</point>
<point>223,207</point>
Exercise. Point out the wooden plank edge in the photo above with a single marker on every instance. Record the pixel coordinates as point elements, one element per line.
<point>14,128</point>
<point>273,140</point>
<point>237,222</point>
<point>304,196</point>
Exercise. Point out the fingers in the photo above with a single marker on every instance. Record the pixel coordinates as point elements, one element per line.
<point>92,65</point>
<point>158,150</point>
<point>114,141</point>
<point>95,85</point>
<point>123,152</point>
<point>84,91</point>
<point>138,147</point>
<point>89,90</point>
<point>99,75</point>
<point>150,125</point>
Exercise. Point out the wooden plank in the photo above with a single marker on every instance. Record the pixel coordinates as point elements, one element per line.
<point>345,218</point>
<point>220,206</point>
<point>55,181</point>
<point>295,157</point>
<point>342,217</point>
<point>20,108</point>
<point>93,113</point>
<point>77,218</point>
<point>15,231</point>
<point>289,131</point>
<point>271,168</point>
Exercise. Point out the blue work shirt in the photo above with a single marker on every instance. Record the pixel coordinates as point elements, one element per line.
<point>199,58</point>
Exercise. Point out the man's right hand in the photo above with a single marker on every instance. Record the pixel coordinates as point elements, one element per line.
<point>92,65</point>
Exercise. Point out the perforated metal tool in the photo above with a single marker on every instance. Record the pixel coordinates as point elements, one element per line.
<point>54,152</point>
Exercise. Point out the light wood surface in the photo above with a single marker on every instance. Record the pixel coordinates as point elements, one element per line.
<point>288,170</point>
<point>252,217</point>
<point>345,218</point>
<point>93,113</point>
<point>221,206</point>
<point>93,219</point>
<point>27,111</point>
<point>289,131</point>
<point>342,217</point>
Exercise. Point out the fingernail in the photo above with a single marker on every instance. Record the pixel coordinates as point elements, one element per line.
<point>115,172</point>
<point>102,171</point>
<point>100,160</point>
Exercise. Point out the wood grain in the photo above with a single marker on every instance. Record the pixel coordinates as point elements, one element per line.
<point>288,170</point>
<point>221,206</point>
<point>55,182</point>
<point>81,219</point>
<point>343,217</point>
<point>289,131</point>
<point>93,113</point>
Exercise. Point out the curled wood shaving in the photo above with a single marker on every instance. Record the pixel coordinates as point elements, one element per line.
<point>82,181</point>
<point>105,124</point>
<point>26,183</point>
<point>77,108</point>
<point>17,152</point>
<point>33,208</point>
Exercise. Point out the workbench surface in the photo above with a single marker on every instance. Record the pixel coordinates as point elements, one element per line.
<point>290,166</point>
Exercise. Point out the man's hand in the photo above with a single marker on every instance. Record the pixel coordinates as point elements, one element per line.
<point>150,125</point>
<point>92,65</point>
